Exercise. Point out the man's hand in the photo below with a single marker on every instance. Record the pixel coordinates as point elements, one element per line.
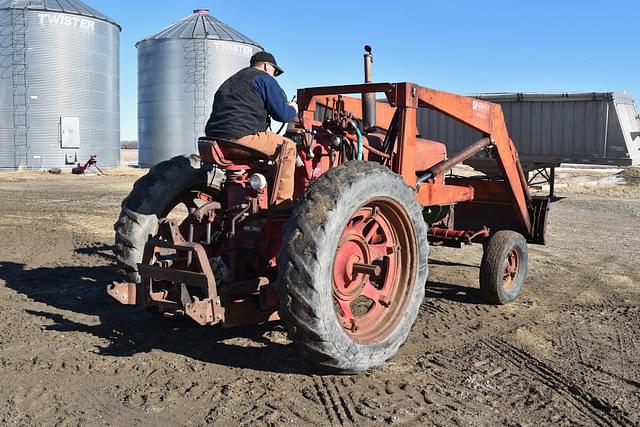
<point>294,105</point>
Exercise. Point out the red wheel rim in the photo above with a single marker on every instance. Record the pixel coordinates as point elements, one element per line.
<point>374,270</point>
<point>510,270</point>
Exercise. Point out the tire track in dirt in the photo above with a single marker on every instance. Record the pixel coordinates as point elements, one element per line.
<point>626,347</point>
<point>569,343</point>
<point>335,404</point>
<point>395,395</point>
<point>598,410</point>
<point>466,321</point>
<point>111,409</point>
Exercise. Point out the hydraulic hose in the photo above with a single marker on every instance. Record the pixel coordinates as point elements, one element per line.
<point>359,154</point>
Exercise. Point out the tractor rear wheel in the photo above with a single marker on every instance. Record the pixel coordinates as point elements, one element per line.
<point>503,267</point>
<point>169,184</point>
<point>353,267</point>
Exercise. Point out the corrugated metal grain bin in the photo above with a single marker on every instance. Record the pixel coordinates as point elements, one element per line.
<point>179,71</point>
<point>59,85</point>
<point>549,129</point>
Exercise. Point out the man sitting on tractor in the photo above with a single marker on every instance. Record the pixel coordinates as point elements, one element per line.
<point>242,111</point>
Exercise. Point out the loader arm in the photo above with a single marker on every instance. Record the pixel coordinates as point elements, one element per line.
<point>487,118</point>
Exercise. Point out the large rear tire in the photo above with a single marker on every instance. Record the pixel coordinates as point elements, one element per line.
<point>353,267</point>
<point>152,197</point>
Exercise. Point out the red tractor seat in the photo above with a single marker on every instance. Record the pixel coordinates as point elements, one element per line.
<point>225,152</point>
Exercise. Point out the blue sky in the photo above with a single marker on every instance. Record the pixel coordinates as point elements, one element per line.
<point>460,46</point>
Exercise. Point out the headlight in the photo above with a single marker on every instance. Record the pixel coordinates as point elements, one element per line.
<point>258,182</point>
<point>336,141</point>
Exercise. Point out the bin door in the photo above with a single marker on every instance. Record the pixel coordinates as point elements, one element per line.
<point>69,132</point>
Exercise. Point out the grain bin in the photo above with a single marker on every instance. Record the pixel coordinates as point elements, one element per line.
<point>179,70</point>
<point>59,85</point>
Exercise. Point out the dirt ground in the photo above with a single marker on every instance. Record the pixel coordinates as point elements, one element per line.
<point>567,352</point>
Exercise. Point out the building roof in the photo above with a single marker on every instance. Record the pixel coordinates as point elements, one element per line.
<point>73,7</point>
<point>200,25</point>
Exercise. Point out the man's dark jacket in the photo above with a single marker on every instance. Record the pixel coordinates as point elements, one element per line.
<point>243,104</point>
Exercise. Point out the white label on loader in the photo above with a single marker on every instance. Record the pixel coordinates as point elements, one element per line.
<point>481,106</point>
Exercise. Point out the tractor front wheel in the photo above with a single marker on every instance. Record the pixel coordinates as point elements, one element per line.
<point>503,267</point>
<point>353,267</point>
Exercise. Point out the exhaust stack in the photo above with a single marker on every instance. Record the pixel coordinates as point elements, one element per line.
<point>368,99</point>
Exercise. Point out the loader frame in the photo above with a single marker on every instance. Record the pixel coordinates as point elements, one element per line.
<point>521,212</point>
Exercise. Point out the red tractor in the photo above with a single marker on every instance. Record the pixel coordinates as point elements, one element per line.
<point>346,268</point>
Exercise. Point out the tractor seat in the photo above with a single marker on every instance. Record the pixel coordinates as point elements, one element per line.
<point>225,152</point>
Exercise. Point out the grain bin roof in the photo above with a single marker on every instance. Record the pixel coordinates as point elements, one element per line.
<point>73,7</point>
<point>200,25</point>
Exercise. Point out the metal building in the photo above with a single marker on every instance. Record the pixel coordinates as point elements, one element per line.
<point>553,128</point>
<point>179,70</point>
<point>59,85</point>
